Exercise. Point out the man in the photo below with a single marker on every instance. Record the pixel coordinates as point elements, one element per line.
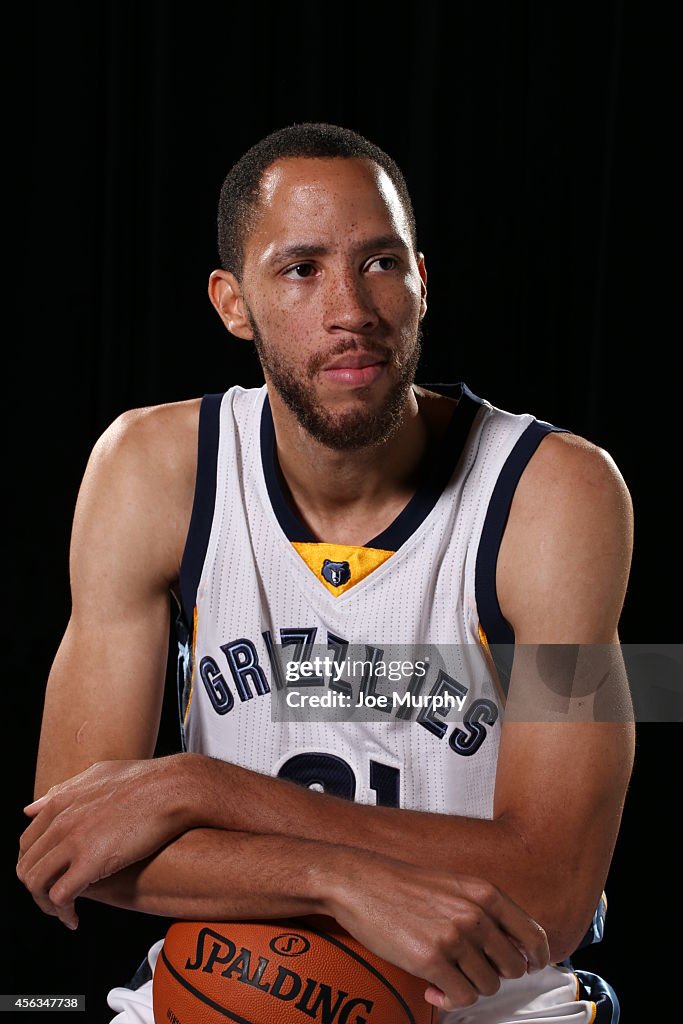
<point>473,853</point>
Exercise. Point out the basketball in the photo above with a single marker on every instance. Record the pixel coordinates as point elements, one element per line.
<point>280,972</point>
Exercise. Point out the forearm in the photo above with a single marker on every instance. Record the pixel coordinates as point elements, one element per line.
<point>490,849</point>
<point>226,874</point>
<point>419,919</point>
<point>210,874</point>
<point>496,850</point>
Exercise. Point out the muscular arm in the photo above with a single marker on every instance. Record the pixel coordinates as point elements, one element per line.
<point>105,688</point>
<point>561,783</point>
<point>561,778</point>
<point>104,691</point>
<point>585,525</point>
<point>100,722</point>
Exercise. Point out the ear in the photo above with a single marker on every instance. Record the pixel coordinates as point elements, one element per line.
<point>423,277</point>
<point>226,298</point>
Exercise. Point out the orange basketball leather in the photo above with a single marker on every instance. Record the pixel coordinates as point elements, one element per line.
<point>280,972</point>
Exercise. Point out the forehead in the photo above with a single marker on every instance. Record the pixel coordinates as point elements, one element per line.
<point>329,200</point>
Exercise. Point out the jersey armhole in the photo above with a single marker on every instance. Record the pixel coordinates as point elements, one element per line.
<point>201,519</point>
<point>500,636</point>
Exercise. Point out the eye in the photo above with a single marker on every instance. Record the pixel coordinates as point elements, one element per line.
<point>300,271</point>
<point>382,264</point>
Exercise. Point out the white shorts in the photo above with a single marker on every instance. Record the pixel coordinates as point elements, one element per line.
<point>550,996</point>
<point>134,1005</point>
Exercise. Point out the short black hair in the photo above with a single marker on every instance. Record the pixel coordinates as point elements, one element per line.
<point>240,191</point>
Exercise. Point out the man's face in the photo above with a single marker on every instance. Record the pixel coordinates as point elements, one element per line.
<point>332,289</point>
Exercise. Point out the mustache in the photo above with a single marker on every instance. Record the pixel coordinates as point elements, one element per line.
<point>378,352</point>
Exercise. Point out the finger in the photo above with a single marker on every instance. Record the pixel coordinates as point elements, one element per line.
<point>455,989</point>
<point>527,933</point>
<point>40,801</point>
<point>32,809</point>
<point>45,815</point>
<point>71,884</point>
<point>434,995</point>
<point>35,805</point>
<point>64,903</point>
<point>67,915</point>
<point>41,875</point>
<point>27,839</point>
<point>45,867</point>
<point>55,877</point>
<point>42,834</point>
<point>479,971</point>
<point>503,954</point>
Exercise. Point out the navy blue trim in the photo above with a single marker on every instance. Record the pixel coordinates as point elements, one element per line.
<point>436,472</point>
<point>199,531</point>
<point>498,630</point>
<point>183,639</point>
<point>142,975</point>
<point>594,933</point>
<point>438,468</point>
<point>294,529</point>
<point>596,929</point>
<point>596,990</point>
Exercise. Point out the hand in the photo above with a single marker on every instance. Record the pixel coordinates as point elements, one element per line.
<point>95,824</point>
<point>458,932</point>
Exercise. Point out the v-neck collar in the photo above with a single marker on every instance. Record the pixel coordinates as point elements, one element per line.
<point>436,472</point>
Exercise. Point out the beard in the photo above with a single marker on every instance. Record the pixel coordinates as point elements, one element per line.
<point>342,431</point>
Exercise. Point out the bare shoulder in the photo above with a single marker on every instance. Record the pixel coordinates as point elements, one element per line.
<point>168,432</point>
<point>573,470</point>
<point>566,551</point>
<point>138,488</point>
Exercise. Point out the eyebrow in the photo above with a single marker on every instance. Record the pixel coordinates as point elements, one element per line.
<point>304,250</point>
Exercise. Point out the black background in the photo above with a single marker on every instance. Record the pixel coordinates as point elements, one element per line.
<point>537,141</point>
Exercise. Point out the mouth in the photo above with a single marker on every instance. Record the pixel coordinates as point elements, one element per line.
<point>354,370</point>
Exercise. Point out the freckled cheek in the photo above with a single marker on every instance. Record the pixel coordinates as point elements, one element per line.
<point>290,329</point>
<point>404,291</point>
<point>405,306</point>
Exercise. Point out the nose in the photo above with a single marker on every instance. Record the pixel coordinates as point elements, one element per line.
<point>349,305</point>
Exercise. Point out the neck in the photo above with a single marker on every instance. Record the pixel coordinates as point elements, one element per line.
<point>370,485</point>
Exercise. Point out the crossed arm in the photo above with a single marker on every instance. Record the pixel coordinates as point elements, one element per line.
<point>121,827</point>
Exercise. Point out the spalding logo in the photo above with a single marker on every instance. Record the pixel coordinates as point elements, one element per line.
<point>336,573</point>
<point>289,944</point>
<point>316,1000</point>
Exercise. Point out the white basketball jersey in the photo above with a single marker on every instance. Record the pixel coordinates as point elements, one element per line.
<point>263,583</point>
<point>258,590</point>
